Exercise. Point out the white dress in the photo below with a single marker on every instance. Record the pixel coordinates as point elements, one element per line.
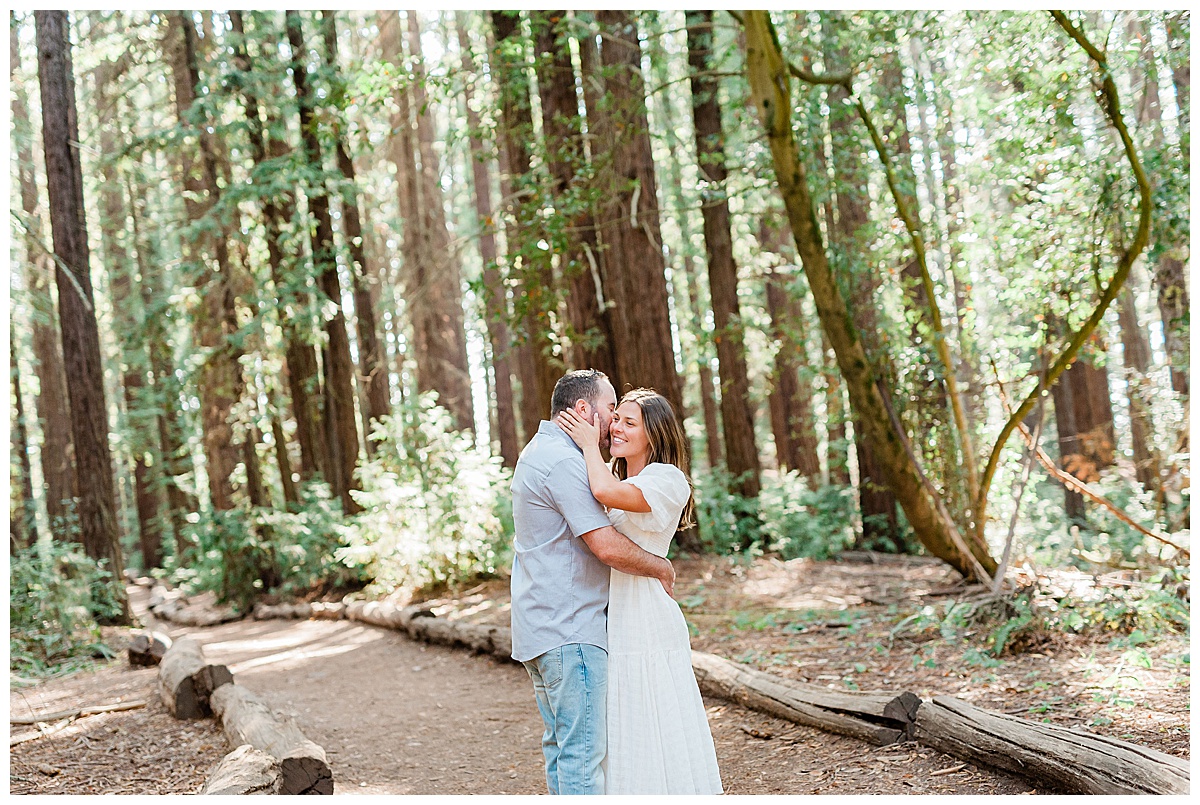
<point>658,736</point>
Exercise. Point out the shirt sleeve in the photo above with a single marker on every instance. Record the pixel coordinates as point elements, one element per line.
<point>667,490</point>
<point>567,486</point>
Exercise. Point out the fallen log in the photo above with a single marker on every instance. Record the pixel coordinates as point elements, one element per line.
<point>186,681</point>
<point>203,610</point>
<point>881,718</point>
<point>329,610</point>
<point>1067,760</point>
<point>79,712</point>
<point>148,648</point>
<point>247,719</point>
<point>243,771</point>
<point>301,611</point>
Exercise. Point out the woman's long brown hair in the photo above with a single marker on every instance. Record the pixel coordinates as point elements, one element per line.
<point>668,444</point>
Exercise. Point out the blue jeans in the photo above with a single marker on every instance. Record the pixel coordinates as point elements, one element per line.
<point>571,685</point>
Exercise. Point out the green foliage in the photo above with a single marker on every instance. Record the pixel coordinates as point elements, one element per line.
<point>788,518</point>
<point>56,594</point>
<point>436,510</point>
<point>798,521</point>
<point>727,521</point>
<point>244,553</point>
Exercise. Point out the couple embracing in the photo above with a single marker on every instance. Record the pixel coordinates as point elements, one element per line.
<point>593,620</point>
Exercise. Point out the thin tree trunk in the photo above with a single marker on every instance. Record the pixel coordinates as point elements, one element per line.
<point>634,275</point>
<point>1136,351</point>
<point>741,452</point>
<point>440,335</point>
<point>340,428</point>
<point>877,502</point>
<point>304,384</point>
<point>495,301</point>
<point>22,529</point>
<point>220,378</point>
<point>290,497</point>
<point>80,335</point>
<point>535,282</point>
<point>58,452</point>
<point>791,393</point>
<point>139,436</point>
<point>373,372</point>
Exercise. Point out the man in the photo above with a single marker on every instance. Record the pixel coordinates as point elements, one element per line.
<point>563,549</point>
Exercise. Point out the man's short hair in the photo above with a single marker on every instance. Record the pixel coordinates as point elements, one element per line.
<point>582,384</point>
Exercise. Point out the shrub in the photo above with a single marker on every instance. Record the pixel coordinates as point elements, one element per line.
<point>436,509</point>
<point>243,553</point>
<point>798,521</point>
<point>56,594</point>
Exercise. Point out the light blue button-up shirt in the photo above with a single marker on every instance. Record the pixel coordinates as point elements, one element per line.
<point>559,587</point>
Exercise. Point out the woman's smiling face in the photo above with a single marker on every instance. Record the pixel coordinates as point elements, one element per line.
<point>628,435</point>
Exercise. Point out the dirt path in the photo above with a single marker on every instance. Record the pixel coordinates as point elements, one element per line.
<point>399,717</point>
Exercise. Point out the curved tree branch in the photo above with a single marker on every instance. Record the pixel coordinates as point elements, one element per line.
<point>1112,108</point>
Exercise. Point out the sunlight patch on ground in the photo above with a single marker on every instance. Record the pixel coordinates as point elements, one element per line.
<point>349,642</point>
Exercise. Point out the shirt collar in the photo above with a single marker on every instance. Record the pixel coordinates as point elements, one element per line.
<point>552,430</point>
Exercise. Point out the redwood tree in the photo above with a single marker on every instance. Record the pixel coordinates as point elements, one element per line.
<point>737,416</point>
<point>80,335</point>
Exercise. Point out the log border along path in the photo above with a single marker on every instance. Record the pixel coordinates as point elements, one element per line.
<point>1055,759</point>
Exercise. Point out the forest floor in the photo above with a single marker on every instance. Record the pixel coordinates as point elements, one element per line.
<point>400,717</point>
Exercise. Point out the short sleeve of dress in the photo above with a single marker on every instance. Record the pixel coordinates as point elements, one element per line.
<point>666,489</point>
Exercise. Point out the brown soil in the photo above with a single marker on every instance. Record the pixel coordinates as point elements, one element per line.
<point>398,717</point>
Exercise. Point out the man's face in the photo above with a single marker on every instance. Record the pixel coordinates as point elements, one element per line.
<point>606,405</point>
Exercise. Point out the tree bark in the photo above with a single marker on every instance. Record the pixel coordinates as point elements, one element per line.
<point>22,530</point>
<point>589,321</point>
<point>54,416</point>
<point>373,374</point>
<point>437,282</point>
<point>1136,351</point>
<point>534,292</point>
<point>495,298</point>
<point>304,384</point>
<point>1069,761</point>
<point>877,502</point>
<point>1084,418</point>
<point>140,435</point>
<point>769,81</point>
<point>791,390</point>
<point>246,719</point>
<point>220,377</point>
<point>634,271</point>
<point>340,428</point>
<point>80,335</point>
<point>186,680</point>
<point>741,452</point>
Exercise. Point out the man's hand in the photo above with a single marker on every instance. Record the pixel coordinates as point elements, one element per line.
<point>668,579</point>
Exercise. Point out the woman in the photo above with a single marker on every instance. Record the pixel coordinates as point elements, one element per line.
<point>658,736</point>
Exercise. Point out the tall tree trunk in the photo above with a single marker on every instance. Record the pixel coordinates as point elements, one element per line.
<point>634,275</point>
<point>220,377</point>
<point>741,452</point>
<point>1136,351</point>
<point>22,527</point>
<point>770,88</point>
<point>1171,270</point>
<point>373,372</point>
<point>1084,418</point>
<point>495,301</point>
<point>877,502</point>
<point>340,429</point>
<point>534,291</point>
<point>301,357</point>
<point>435,299</point>
<point>80,335</point>
<point>591,336</point>
<point>140,434</point>
<point>791,390</point>
<point>58,451</point>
